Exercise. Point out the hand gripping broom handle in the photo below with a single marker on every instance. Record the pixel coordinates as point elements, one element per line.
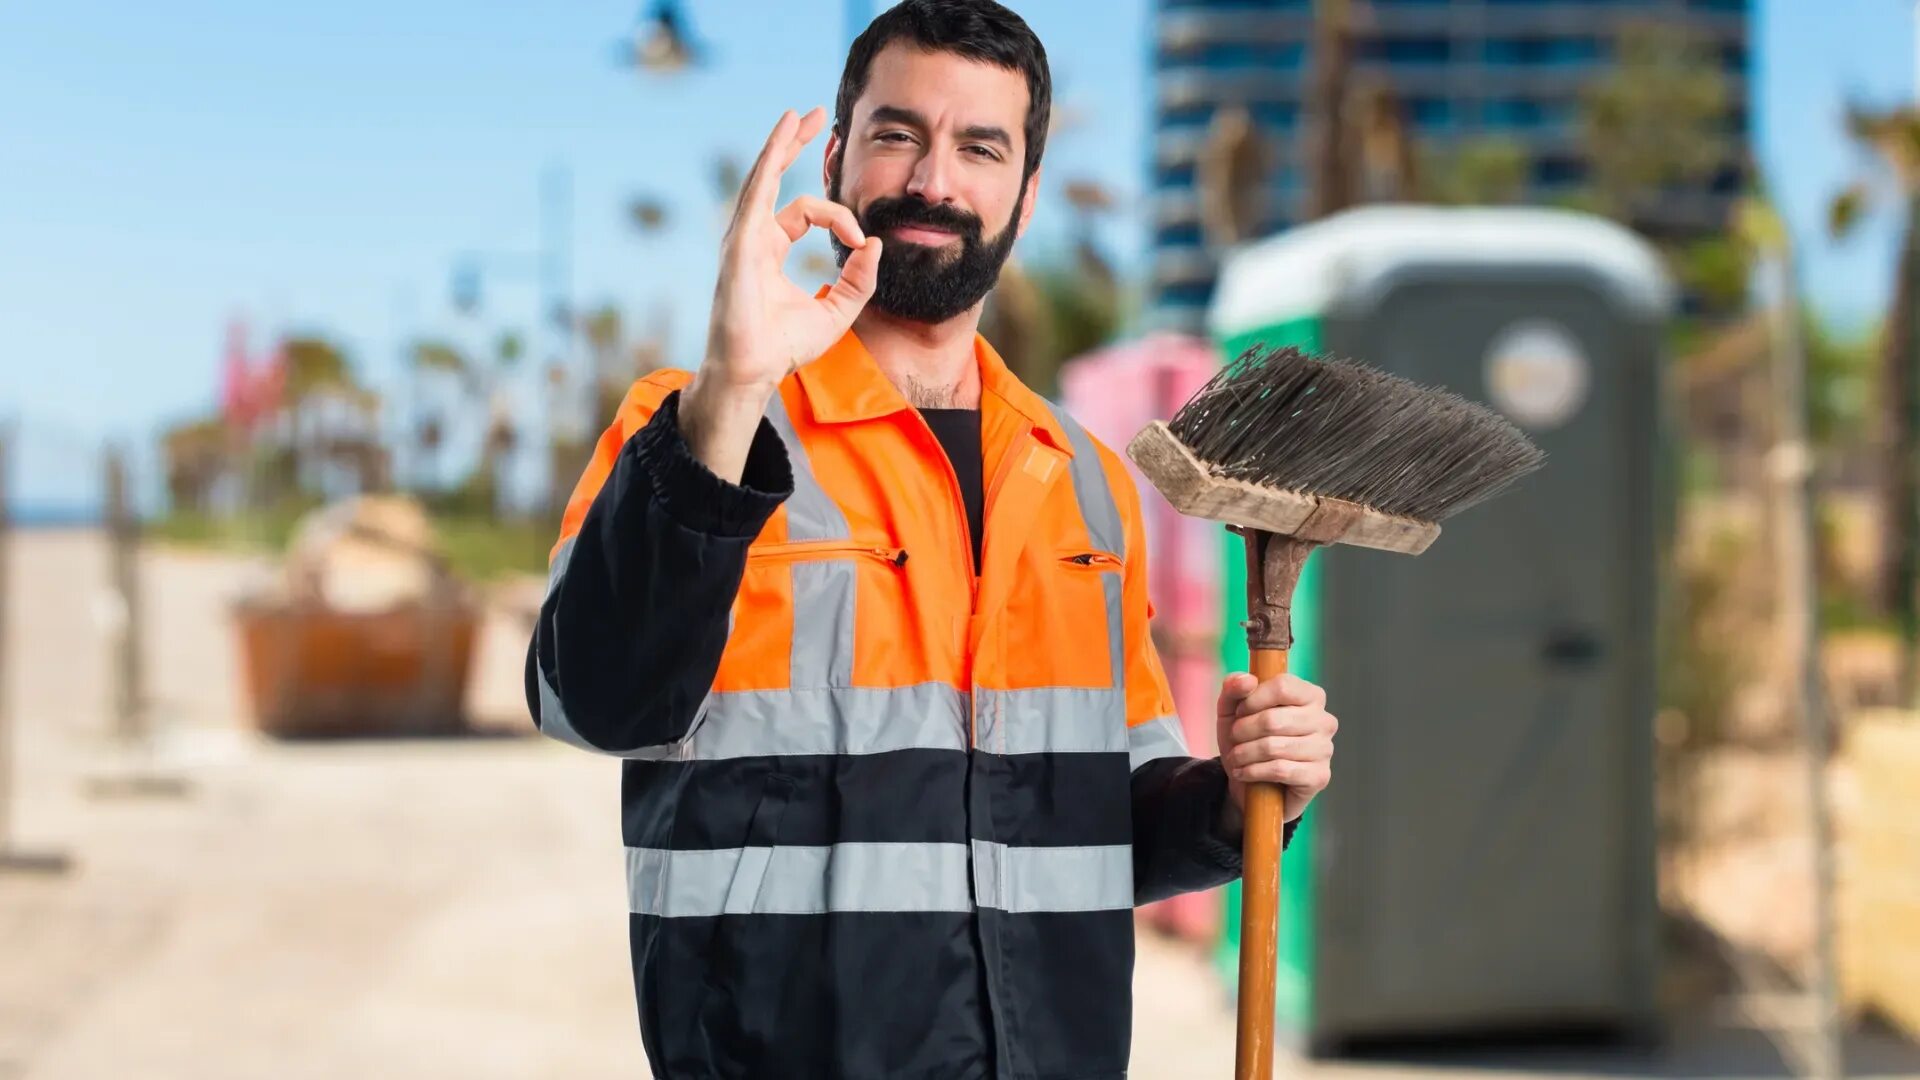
<point>1273,568</point>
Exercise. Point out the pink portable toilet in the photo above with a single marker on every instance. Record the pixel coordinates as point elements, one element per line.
<point>1115,392</point>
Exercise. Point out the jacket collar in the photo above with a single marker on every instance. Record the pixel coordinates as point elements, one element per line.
<point>845,385</point>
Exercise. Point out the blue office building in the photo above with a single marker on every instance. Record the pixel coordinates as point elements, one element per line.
<point>1457,68</point>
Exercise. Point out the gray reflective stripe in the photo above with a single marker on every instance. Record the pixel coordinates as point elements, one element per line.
<point>1097,505</point>
<point>811,514</point>
<point>847,720</point>
<point>797,880</point>
<point>557,567</point>
<point>1116,629</point>
<point>823,599</point>
<point>1028,879</point>
<point>554,723</point>
<point>1051,720</point>
<point>1160,737</point>
<point>1104,529</point>
<point>823,590</point>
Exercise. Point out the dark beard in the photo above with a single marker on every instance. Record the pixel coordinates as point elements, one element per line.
<point>926,284</point>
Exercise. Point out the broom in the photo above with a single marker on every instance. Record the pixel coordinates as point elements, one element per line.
<point>1292,453</point>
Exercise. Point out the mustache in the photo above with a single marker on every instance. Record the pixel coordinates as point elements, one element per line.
<point>892,213</point>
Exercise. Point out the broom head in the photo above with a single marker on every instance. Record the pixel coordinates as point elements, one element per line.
<point>1330,451</point>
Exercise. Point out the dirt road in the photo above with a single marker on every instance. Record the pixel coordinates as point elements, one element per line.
<point>416,909</point>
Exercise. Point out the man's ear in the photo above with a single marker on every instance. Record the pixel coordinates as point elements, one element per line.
<point>827,159</point>
<point>1028,200</point>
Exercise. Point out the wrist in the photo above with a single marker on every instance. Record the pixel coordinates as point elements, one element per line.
<point>718,421</point>
<point>1231,819</point>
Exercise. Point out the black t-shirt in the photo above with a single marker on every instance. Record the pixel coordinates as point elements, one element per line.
<point>959,433</point>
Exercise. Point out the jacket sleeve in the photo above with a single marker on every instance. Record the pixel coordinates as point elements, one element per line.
<point>642,581</point>
<point>1179,844</point>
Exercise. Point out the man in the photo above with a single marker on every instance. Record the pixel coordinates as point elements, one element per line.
<point>867,619</point>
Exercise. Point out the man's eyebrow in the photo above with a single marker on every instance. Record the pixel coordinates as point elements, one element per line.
<point>894,114</point>
<point>988,133</point>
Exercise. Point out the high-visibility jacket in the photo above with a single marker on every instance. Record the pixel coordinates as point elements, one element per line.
<point>883,818</point>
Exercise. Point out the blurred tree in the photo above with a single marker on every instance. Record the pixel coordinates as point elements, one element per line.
<point>606,336</point>
<point>198,454</point>
<point>314,364</point>
<point>1893,136</point>
<point>428,358</point>
<point>503,429</point>
<point>1714,269</point>
<point>647,214</point>
<point>331,418</point>
<point>1656,118</point>
<point>1840,376</point>
<point>1482,170</point>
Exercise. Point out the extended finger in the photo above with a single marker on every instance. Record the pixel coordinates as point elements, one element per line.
<point>1286,720</point>
<point>781,134</point>
<point>1282,690</point>
<point>783,147</point>
<point>808,211</point>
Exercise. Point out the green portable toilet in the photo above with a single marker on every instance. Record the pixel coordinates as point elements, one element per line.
<point>1484,859</point>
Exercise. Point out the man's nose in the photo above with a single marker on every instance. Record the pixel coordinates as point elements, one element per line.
<point>932,178</point>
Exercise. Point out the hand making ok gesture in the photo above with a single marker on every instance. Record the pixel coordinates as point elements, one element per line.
<point>763,325</point>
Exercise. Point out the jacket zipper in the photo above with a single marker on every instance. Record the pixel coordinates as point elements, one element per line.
<point>964,549</point>
<point>800,550</point>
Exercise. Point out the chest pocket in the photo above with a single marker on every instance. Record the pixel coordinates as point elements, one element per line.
<point>793,624</point>
<point>1062,623</point>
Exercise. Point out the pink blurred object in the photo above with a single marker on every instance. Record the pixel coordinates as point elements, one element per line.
<point>1115,392</point>
<point>250,391</point>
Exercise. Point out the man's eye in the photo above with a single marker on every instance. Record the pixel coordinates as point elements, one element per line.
<point>984,151</point>
<point>894,136</point>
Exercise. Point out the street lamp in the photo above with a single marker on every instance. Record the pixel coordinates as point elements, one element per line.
<point>660,43</point>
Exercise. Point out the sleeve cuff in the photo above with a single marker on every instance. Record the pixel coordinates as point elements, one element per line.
<point>694,496</point>
<point>1220,846</point>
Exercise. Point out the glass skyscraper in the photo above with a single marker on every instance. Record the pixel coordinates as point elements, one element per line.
<point>1457,69</point>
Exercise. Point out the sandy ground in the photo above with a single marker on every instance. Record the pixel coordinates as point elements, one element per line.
<point>417,908</point>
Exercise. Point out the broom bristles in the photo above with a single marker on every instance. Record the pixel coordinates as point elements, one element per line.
<point>1284,419</point>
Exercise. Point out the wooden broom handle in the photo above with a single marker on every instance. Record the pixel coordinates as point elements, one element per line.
<point>1265,815</point>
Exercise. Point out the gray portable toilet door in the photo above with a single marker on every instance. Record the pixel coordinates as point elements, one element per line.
<point>1488,868</point>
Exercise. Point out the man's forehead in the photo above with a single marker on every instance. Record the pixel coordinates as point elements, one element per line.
<point>944,87</point>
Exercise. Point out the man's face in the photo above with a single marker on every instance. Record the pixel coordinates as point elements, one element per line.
<point>932,164</point>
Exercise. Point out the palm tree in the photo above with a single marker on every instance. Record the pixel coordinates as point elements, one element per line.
<point>1893,136</point>
<point>1331,152</point>
<point>442,358</point>
<point>606,336</point>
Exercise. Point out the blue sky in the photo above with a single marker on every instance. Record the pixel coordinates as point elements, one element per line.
<point>319,166</point>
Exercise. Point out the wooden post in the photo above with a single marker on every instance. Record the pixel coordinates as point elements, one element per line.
<point>11,857</point>
<point>6,698</point>
<point>1796,536</point>
<point>136,774</point>
<point>123,536</point>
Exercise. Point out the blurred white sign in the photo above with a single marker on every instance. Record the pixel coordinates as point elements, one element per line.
<point>1537,374</point>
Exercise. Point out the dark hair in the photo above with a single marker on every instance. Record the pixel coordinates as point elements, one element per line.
<point>975,29</point>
